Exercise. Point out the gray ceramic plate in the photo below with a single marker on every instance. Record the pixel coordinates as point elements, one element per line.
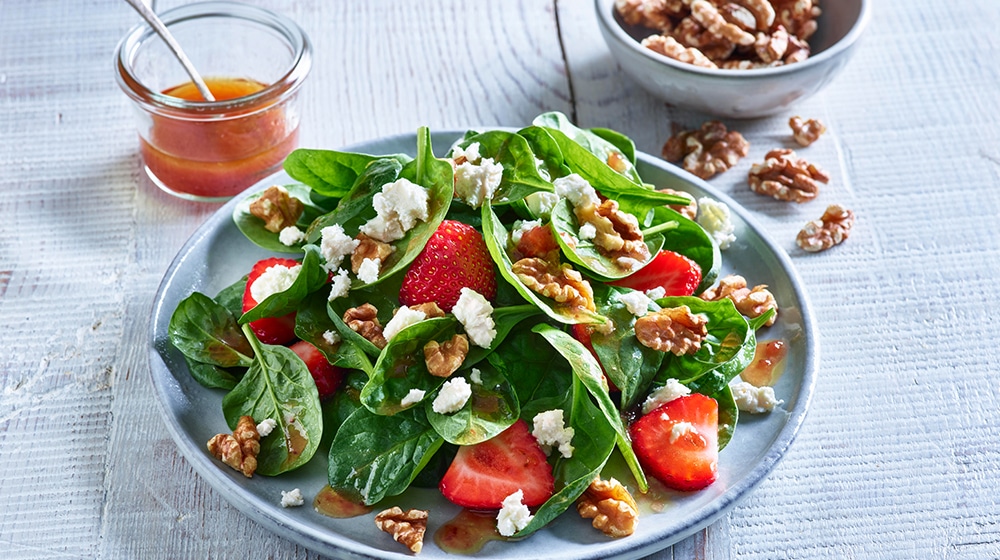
<point>218,254</point>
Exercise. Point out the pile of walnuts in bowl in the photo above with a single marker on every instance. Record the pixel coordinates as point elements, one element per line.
<point>735,35</point>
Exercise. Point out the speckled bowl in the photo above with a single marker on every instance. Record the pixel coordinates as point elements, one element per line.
<point>738,93</point>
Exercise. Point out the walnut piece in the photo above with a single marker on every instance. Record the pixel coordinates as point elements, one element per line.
<point>772,47</point>
<point>750,302</point>
<point>559,282</point>
<point>369,248</point>
<point>444,358</point>
<point>786,177</point>
<point>708,16</point>
<point>708,151</point>
<point>239,450</point>
<point>668,46</point>
<point>406,527</point>
<point>672,329</point>
<point>690,211</point>
<point>618,234</point>
<point>612,508</point>
<point>806,132</point>
<point>798,16</point>
<point>654,14</point>
<point>364,321</point>
<point>430,309</point>
<point>277,208</point>
<point>831,229</point>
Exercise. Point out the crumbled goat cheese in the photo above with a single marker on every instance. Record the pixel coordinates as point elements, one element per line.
<point>680,429</point>
<point>656,293</point>
<point>636,302</point>
<point>398,207</point>
<point>628,263</point>
<point>513,515</point>
<point>476,376</point>
<point>368,271</point>
<point>752,399</point>
<point>521,228</point>
<point>413,397</point>
<point>471,154</point>
<point>477,183</point>
<point>587,232</point>
<point>673,389</point>
<point>550,430</point>
<point>577,190</point>
<point>335,245</point>
<point>475,313</point>
<point>339,285</point>
<point>714,216</point>
<point>277,278</point>
<point>452,397</point>
<point>331,337</point>
<point>403,318</point>
<point>266,426</point>
<point>292,499</point>
<point>540,204</point>
<point>291,235</point>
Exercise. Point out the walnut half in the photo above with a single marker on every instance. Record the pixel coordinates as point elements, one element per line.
<point>238,450</point>
<point>672,329</point>
<point>786,177</point>
<point>444,358</point>
<point>406,527</point>
<point>559,282</point>
<point>750,302</point>
<point>708,151</point>
<point>277,208</point>
<point>612,508</point>
<point>364,321</point>
<point>831,229</point>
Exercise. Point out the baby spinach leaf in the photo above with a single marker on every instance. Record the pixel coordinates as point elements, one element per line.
<point>341,405</point>
<point>356,208</point>
<point>496,237</point>
<point>588,371</point>
<point>278,386</point>
<point>599,147</point>
<point>211,376</point>
<point>312,321</point>
<point>690,240</point>
<point>504,320</point>
<point>253,227</point>
<point>756,323</point>
<point>534,369</point>
<point>491,409</point>
<point>547,150</point>
<point>312,276</point>
<point>520,173</point>
<point>618,140</point>
<point>207,332</point>
<point>231,297</point>
<point>729,415</point>
<point>331,173</point>
<point>375,456</point>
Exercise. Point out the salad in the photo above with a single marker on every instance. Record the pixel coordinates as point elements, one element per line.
<point>499,324</point>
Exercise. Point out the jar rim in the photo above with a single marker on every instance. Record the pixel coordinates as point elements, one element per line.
<point>287,84</point>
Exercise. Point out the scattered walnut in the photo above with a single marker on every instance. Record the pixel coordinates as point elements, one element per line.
<point>364,321</point>
<point>710,150</point>
<point>612,508</point>
<point>786,177</point>
<point>750,302</point>
<point>238,450</point>
<point>444,358</point>
<point>277,209</point>
<point>672,329</point>
<point>559,282</point>
<point>690,211</point>
<point>831,229</point>
<point>430,309</point>
<point>369,248</point>
<point>668,46</point>
<point>406,527</point>
<point>806,132</point>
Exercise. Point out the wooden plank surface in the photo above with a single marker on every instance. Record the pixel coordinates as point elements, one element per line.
<point>898,456</point>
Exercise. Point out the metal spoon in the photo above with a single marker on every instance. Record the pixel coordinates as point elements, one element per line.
<point>161,30</point>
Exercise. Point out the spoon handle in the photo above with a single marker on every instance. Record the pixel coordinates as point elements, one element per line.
<point>161,30</point>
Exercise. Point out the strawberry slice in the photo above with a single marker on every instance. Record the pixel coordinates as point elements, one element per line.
<point>482,475</point>
<point>537,242</point>
<point>678,443</point>
<point>582,334</point>
<point>326,375</point>
<point>269,330</point>
<point>673,272</point>
<point>455,257</point>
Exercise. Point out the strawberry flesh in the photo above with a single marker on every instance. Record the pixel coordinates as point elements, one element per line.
<point>675,273</point>
<point>269,330</point>
<point>678,442</point>
<point>326,375</point>
<point>455,257</point>
<point>537,242</point>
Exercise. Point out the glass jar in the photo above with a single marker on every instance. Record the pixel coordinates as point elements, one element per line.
<point>254,62</point>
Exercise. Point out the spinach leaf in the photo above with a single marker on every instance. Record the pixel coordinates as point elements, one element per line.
<point>491,409</point>
<point>231,297</point>
<point>729,415</point>
<point>278,386</point>
<point>312,321</point>
<point>328,172</point>
<point>207,332</point>
<point>756,323</point>
<point>211,376</point>
<point>690,240</point>
<point>253,227</point>
<point>504,320</point>
<point>312,276</point>
<point>618,140</point>
<point>534,369</point>
<point>595,144</point>
<point>520,173</point>
<point>496,237</point>
<point>588,371</point>
<point>344,402</point>
<point>547,150</point>
<point>374,456</point>
<point>356,208</point>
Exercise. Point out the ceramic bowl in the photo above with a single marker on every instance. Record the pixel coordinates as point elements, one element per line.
<point>738,93</point>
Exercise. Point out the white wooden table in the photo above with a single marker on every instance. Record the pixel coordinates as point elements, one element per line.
<point>899,456</point>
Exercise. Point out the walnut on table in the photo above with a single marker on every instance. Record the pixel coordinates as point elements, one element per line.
<point>672,329</point>
<point>612,508</point>
<point>364,321</point>
<point>556,281</point>
<point>406,527</point>
<point>805,132</point>
<point>708,151</point>
<point>277,208</point>
<point>750,302</point>
<point>444,358</point>
<point>833,227</point>
<point>239,450</point>
<point>785,176</point>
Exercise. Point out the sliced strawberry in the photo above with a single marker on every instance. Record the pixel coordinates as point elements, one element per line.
<point>269,330</point>
<point>482,475</point>
<point>673,272</point>
<point>583,333</point>
<point>537,242</point>
<point>455,257</point>
<point>326,375</point>
<point>678,443</point>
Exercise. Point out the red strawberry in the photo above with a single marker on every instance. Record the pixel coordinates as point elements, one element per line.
<point>678,443</point>
<point>482,475</point>
<point>582,333</point>
<point>326,375</point>
<point>269,330</point>
<point>455,257</point>
<point>675,273</point>
<point>537,242</point>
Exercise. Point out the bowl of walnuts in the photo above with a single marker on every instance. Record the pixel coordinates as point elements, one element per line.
<point>735,59</point>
